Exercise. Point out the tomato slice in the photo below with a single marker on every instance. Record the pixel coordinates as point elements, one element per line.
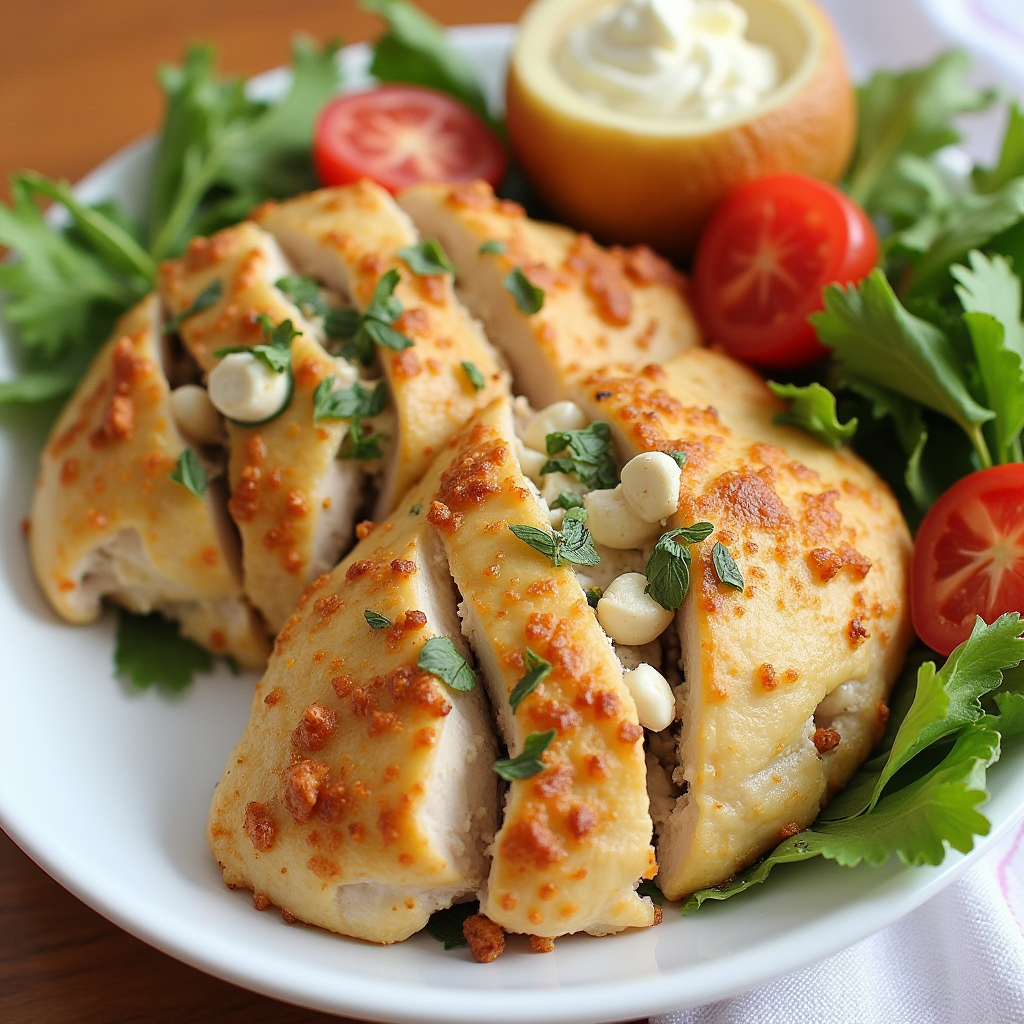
<point>969,556</point>
<point>400,135</point>
<point>764,258</point>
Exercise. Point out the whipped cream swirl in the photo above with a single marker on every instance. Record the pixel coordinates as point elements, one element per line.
<point>670,59</point>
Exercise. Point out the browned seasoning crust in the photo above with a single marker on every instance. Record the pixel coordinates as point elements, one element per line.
<point>486,939</point>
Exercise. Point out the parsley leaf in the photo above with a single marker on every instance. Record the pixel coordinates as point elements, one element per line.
<point>726,569</point>
<point>427,258</point>
<point>360,446</point>
<point>680,457</point>
<point>151,651</point>
<point>189,473</point>
<point>537,669</point>
<point>813,408</point>
<point>572,544</point>
<point>568,500</point>
<point>276,352</point>
<point>304,292</point>
<point>668,568</point>
<point>208,297</point>
<point>494,246</point>
<point>529,297</point>
<point>529,762</point>
<point>374,326</point>
<point>476,378</point>
<point>439,657</point>
<point>375,620</point>
<point>876,340</point>
<point>446,925</point>
<point>585,454</point>
<point>415,49</point>
<point>348,403</point>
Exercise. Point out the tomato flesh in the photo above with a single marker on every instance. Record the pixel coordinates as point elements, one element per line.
<point>969,556</point>
<point>401,135</point>
<point>764,258</point>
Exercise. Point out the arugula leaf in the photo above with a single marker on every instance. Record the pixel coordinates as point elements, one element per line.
<point>348,403</point>
<point>585,454</point>
<point>427,258</point>
<point>1011,156</point>
<point>949,699</point>
<point>446,925</point>
<point>359,446</point>
<point>476,378</point>
<point>151,651</point>
<point>304,292</point>
<point>375,620</point>
<point>537,669</point>
<point>439,657</point>
<point>494,246</point>
<point>572,544</point>
<point>726,569</point>
<point>910,112</point>
<point>415,49</point>
<point>189,472</point>
<point>529,297</point>
<point>874,339</point>
<point>529,762</point>
<point>208,297</point>
<point>668,568</point>
<point>813,407</point>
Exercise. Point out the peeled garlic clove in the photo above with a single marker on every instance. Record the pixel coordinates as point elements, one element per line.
<point>655,702</point>
<point>195,415</point>
<point>613,523</point>
<point>628,615</point>
<point>650,485</point>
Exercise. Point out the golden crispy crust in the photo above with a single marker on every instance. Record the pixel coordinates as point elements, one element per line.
<point>824,554</point>
<point>576,837</point>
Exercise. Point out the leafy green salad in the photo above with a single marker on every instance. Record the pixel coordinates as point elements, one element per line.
<point>925,380</point>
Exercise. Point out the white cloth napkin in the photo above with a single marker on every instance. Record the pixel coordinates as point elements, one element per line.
<point>959,959</point>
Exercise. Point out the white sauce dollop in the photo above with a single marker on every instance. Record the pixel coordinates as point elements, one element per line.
<point>671,59</point>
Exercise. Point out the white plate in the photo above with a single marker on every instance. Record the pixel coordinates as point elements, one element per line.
<point>108,789</point>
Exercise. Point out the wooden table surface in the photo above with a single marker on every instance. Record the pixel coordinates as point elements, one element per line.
<point>77,83</point>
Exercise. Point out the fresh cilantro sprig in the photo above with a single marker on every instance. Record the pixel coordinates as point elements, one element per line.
<point>537,669</point>
<point>585,454</point>
<point>360,446</point>
<point>355,401</point>
<point>439,657</point>
<point>668,568</point>
<point>304,292</point>
<point>908,805</point>
<point>529,762</point>
<point>363,333</point>
<point>189,472</point>
<point>275,352</point>
<point>572,543</point>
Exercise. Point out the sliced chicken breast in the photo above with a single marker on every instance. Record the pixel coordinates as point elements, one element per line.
<point>599,306</point>
<point>108,520</point>
<point>294,504</point>
<point>575,839</point>
<point>361,797</point>
<point>785,683</point>
<point>347,238</point>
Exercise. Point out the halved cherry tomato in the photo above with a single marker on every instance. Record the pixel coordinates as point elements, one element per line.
<point>764,258</point>
<point>400,135</point>
<point>969,556</point>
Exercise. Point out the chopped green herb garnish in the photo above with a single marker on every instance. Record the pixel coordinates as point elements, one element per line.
<point>362,333</point>
<point>439,657</point>
<point>427,258</point>
<point>476,378</point>
<point>567,500</point>
<point>360,446</point>
<point>151,651</point>
<point>585,454</point>
<point>536,670</point>
<point>668,568</point>
<point>572,544</point>
<point>304,293</point>
<point>276,352</point>
<point>375,620</point>
<point>189,472</point>
<point>446,925</point>
<point>348,403</point>
<point>341,323</point>
<point>648,888</point>
<point>208,297</point>
<point>529,762</point>
<point>529,298</point>
<point>495,246</point>
<point>680,461</point>
<point>726,569</point>
<point>594,594</point>
<point>813,408</point>
<point>415,510</point>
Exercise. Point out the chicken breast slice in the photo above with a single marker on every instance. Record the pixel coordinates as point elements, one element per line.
<point>347,238</point>
<point>785,683</point>
<point>599,306</point>
<point>361,797</point>
<point>293,502</point>
<point>575,839</point>
<point>109,521</point>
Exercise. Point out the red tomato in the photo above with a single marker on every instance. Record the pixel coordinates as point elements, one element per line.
<point>969,556</point>
<point>764,258</point>
<point>400,135</point>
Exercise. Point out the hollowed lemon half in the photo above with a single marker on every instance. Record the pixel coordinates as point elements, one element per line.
<point>630,178</point>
